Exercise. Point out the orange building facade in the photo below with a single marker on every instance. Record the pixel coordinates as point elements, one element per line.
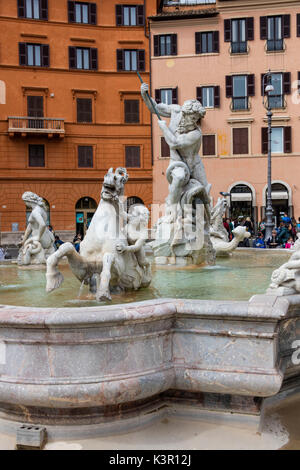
<point>218,51</point>
<point>70,106</point>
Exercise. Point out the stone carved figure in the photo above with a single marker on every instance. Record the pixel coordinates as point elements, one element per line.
<point>188,186</point>
<point>286,279</point>
<point>111,255</point>
<point>38,242</point>
<point>219,234</point>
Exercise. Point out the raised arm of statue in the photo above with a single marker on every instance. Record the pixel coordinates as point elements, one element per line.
<point>179,141</point>
<point>164,110</point>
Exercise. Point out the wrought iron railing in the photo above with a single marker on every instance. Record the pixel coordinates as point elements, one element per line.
<point>36,124</point>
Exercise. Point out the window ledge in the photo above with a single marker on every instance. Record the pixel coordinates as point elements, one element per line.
<point>238,54</point>
<point>278,118</point>
<point>282,51</point>
<point>207,54</point>
<point>234,120</point>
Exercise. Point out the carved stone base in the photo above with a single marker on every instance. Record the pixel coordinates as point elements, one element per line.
<point>280,291</point>
<point>174,260</point>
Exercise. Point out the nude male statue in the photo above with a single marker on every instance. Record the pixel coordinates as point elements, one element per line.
<point>183,135</point>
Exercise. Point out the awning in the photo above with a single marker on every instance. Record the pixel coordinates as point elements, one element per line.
<point>279,195</point>
<point>235,197</point>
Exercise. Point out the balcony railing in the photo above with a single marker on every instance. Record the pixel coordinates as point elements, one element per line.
<point>34,125</point>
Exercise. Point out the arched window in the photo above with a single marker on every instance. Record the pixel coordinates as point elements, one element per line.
<point>133,200</point>
<point>241,202</point>
<point>85,209</point>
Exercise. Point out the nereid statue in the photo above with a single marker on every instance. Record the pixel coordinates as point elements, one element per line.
<point>37,242</point>
<point>286,279</point>
<point>112,254</point>
<point>184,230</point>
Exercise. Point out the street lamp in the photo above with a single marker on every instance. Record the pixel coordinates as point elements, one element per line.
<point>269,209</point>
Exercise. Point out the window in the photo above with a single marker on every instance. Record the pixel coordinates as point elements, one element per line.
<point>274,29</point>
<point>85,156</point>
<point>84,110</point>
<point>130,15</point>
<point>209,96</point>
<point>34,9</point>
<point>130,60</point>
<point>165,44</point>
<point>131,111</point>
<point>79,12</point>
<point>209,144</point>
<point>83,58</point>
<point>281,140</point>
<point>238,32</point>
<point>132,156</point>
<point>36,155</point>
<point>239,88</point>
<point>282,86</point>
<point>164,148</point>
<point>166,95</point>
<point>240,141</point>
<point>207,42</point>
<point>36,55</point>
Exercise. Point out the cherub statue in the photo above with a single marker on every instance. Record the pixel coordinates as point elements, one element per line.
<point>38,242</point>
<point>286,279</point>
<point>136,231</point>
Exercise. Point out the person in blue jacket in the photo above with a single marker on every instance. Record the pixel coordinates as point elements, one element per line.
<point>260,242</point>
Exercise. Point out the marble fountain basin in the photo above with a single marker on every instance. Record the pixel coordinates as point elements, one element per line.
<point>111,368</point>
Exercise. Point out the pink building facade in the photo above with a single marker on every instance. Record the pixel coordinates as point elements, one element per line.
<point>218,52</point>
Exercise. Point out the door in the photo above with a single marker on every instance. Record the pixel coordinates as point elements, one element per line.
<point>35,108</point>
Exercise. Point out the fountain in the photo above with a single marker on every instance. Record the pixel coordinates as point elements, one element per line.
<point>86,370</point>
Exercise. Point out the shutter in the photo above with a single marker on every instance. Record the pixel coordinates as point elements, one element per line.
<point>298,25</point>
<point>44,9</point>
<point>173,44</point>
<point>264,140</point>
<point>216,46</point>
<point>94,58</point>
<point>131,111</point>
<point>71,12</point>
<point>140,16</point>
<point>240,141</point>
<point>92,13</point>
<point>263,85</point>
<point>157,96</point>
<point>45,55</point>
<point>22,53</point>
<point>84,110</point>
<point>175,95</point>
<point>209,145</point>
<point>120,59</point>
<point>141,60</point>
<point>198,49</point>
<point>250,29</point>
<point>263,27</point>
<point>287,139</point>
<point>21,8</point>
<point>227,30</point>
<point>217,96</point>
<point>199,93</point>
<point>229,86</point>
<point>286,22</point>
<point>287,83</point>
<point>119,15</point>
<point>165,149</point>
<point>298,82</point>
<point>251,85</point>
<point>132,157</point>
<point>156,45</point>
<point>72,57</point>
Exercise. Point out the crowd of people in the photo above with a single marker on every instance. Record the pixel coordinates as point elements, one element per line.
<point>57,241</point>
<point>283,236</point>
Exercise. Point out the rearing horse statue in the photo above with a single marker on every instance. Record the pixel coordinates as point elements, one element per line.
<point>106,261</point>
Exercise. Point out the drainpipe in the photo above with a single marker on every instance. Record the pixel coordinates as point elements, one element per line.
<point>150,88</point>
<point>145,13</point>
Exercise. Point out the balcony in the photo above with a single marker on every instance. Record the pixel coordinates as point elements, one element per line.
<point>35,126</point>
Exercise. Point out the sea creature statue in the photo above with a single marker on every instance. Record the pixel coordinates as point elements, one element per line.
<point>112,257</point>
<point>38,242</point>
<point>218,233</point>
<point>182,235</point>
<point>286,279</point>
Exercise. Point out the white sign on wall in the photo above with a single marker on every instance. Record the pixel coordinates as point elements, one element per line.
<point>2,92</point>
